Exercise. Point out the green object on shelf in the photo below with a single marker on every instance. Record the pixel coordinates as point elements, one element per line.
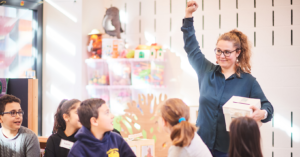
<point>144,73</point>
<point>141,54</point>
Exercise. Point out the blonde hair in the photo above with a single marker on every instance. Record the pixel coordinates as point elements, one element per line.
<point>182,132</point>
<point>240,41</point>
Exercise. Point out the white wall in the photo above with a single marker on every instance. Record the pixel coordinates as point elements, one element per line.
<point>66,25</point>
<point>62,56</point>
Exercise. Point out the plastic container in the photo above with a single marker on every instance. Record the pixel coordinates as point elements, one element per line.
<point>120,72</point>
<point>102,93</point>
<point>141,72</point>
<point>157,73</point>
<point>119,99</point>
<point>97,72</point>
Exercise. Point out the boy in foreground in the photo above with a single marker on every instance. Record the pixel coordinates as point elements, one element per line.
<point>95,138</point>
<point>15,140</point>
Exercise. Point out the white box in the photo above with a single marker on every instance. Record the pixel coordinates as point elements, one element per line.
<point>142,147</point>
<point>111,48</point>
<point>238,107</point>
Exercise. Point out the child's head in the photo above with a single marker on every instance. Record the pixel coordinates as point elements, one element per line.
<point>94,113</point>
<point>244,138</point>
<point>175,115</point>
<point>66,115</point>
<point>11,114</point>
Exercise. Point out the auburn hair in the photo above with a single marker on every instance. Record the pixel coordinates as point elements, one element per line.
<point>171,111</point>
<point>244,138</point>
<point>241,42</point>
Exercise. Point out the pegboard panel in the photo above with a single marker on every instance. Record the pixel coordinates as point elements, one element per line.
<point>264,17</point>
<point>282,16</point>
<point>244,18</point>
<point>272,27</point>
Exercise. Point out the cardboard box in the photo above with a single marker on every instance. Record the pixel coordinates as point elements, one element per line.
<point>142,147</point>
<point>238,107</point>
<point>111,48</point>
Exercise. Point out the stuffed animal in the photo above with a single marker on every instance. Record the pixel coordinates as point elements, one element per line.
<point>111,22</point>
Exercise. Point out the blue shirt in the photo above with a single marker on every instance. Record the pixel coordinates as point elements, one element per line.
<point>87,145</point>
<point>215,91</point>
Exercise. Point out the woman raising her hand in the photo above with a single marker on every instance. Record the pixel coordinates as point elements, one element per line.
<point>218,83</point>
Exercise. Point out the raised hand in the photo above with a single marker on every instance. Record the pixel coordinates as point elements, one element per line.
<point>192,6</point>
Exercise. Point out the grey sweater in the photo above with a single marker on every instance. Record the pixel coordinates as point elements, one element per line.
<point>24,144</point>
<point>197,148</point>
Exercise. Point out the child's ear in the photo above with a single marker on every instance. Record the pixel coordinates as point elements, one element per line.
<point>163,121</point>
<point>1,121</point>
<point>66,117</point>
<point>93,121</point>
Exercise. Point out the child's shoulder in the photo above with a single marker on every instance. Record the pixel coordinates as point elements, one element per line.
<point>115,135</point>
<point>27,132</point>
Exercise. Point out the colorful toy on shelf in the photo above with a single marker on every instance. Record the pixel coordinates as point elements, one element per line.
<point>160,54</point>
<point>97,72</point>
<point>157,73</point>
<point>142,51</point>
<point>153,50</point>
<point>123,54</point>
<point>141,72</point>
<point>130,54</point>
<point>99,80</point>
<point>111,48</point>
<point>94,45</point>
<point>111,22</point>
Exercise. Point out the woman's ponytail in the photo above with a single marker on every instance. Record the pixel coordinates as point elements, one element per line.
<point>177,114</point>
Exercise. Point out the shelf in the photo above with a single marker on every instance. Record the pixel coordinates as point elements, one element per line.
<point>123,59</point>
<point>88,87</point>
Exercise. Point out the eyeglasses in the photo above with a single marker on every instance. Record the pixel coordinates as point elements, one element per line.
<point>14,113</point>
<point>226,53</point>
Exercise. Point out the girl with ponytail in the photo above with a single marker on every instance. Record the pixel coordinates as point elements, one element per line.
<point>217,83</point>
<point>66,125</point>
<point>175,116</point>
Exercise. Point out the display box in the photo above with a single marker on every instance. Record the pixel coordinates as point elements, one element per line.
<point>102,93</point>
<point>157,73</point>
<point>142,147</point>
<point>119,72</point>
<point>238,107</point>
<point>119,98</point>
<point>97,72</point>
<point>111,48</point>
<point>141,73</point>
<point>148,73</point>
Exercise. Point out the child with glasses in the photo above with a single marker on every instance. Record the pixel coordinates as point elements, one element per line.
<point>15,140</point>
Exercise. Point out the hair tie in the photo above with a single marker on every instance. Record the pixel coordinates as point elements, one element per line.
<point>181,119</point>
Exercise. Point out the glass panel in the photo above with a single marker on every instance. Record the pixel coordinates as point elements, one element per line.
<point>17,55</point>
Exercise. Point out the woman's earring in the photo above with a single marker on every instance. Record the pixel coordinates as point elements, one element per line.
<point>217,62</point>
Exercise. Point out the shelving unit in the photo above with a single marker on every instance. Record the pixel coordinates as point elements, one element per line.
<point>117,80</point>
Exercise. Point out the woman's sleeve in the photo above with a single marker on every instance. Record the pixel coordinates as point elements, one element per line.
<point>192,48</point>
<point>256,92</point>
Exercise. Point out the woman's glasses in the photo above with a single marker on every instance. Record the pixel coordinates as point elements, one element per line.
<point>226,53</point>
